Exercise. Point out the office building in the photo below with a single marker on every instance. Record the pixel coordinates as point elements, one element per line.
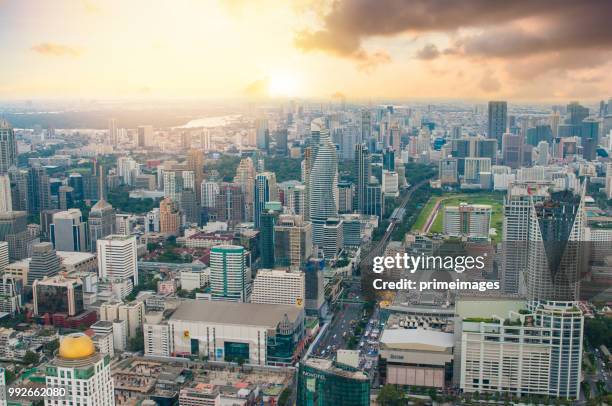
<point>267,221</point>
<point>280,136</point>
<point>8,147</point>
<point>210,190</point>
<point>323,183</point>
<point>128,169</point>
<point>57,295</point>
<point>229,279</point>
<point>498,120</point>
<point>278,286</point>
<point>132,314</point>
<point>117,258</point>
<point>82,372</point>
<point>555,248</point>
<point>512,150</point>
<point>4,255</point>
<point>518,206</point>
<point>292,241</point>
<point>230,204</point>
<point>262,134</point>
<point>144,136</point>
<point>11,292</point>
<point>45,262</point>
<point>467,220</point>
<point>195,164</point>
<point>448,171</point>
<point>473,167</point>
<point>265,191</point>
<point>66,197</point>
<point>102,222</point>
<point>258,334</point>
<point>333,238</point>
<point>39,190</point>
<point>363,172</point>
<point>6,196</point>
<point>69,231</point>
<point>323,383</point>
<point>535,351</point>
<point>13,230</point>
<point>374,203</point>
<point>169,217</point>
<point>19,189</point>
<point>390,183</point>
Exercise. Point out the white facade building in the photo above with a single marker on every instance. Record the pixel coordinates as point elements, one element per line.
<point>275,286</point>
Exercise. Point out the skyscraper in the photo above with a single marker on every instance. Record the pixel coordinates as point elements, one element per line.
<point>262,134</point>
<point>229,205</point>
<point>8,147</point>
<point>363,172</point>
<point>512,150</point>
<point>101,222</point>
<point>69,231</point>
<point>281,141</point>
<point>195,164</point>
<point>323,183</point>
<point>292,241</point>
<point>6,197</point>
<point>498,120</point>
<point>245,178</point>
<point>265,191</point>
<point>228,273</point>
<point>169,217</point>
<point>13,230</point>
<point>556,232</point>
<point>266,238</point>
<point>112,132</point>
<point>39,191</point>
<point>45,262</point>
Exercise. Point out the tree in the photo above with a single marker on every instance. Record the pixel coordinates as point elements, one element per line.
<point>30,358</point>
<point>136,343</point>
<point>389,395</point>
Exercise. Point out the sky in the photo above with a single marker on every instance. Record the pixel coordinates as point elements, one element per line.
<point>523,50</point>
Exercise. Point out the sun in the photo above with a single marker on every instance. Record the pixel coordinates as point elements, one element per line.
<point>283,84</point>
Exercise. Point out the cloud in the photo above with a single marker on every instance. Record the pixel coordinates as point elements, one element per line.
<point>502,30</point>
<point>428,52</point>
<point>258,88</point>
<point>52,49</point>
<point>489,83</point>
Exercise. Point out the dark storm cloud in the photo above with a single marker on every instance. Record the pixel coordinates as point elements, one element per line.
<point>556,26</point>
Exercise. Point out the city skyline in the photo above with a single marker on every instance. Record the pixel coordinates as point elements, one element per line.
<point>307,49</point>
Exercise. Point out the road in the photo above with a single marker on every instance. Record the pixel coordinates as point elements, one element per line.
<point>379,247</point>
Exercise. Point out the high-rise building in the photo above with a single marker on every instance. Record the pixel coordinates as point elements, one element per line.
<point>229,205</point>
<point>374,203</point>
<point>262,134</point>
<point>345,197</point>
<point>589,137</point>
<point>39,191</point>
<point>8,147</point>
<point>448,171</point>
<point>210,190</point>
<point>13,230</point>
<point>101,222</point>
<point>169,217</point>
<point>467,220</point>
<point>113,138</point>
<point>556,232</point>
<point>333,238</point>
<point>19,189</point>
<point>66,198</point>
<point>195,164</point>
<point>266,238</point>
<point>83,373</point>
<point>576,114</point>
<point>6,197</point>
<point>4,255</point>
<point>512,150</point>
<point>498,120</point>
<point>292,241</point>
<point>323,383</point>
<point>117,258</point>
<point>517,215</point>
<point>144,135</point>
<point>363,173</point>
<point>323,183</point>
<point>278,286</point>
<point>280,137</point>
<point>474,167</point>
<point>265,191</point>
<point>229,279</point>
<point>69,231</point>
<point>128,169</point>
<point>45,262</point>
<point>245,178</point>
<point>536,351</point>
<point>57,295</point>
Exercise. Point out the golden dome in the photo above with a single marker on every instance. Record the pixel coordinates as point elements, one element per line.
<point>76,346</point>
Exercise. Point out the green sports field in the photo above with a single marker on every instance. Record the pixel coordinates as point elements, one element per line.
<point>495,200</point>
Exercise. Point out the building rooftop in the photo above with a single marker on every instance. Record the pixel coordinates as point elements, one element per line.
<point>417,339</point>
<point>245,314</point>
